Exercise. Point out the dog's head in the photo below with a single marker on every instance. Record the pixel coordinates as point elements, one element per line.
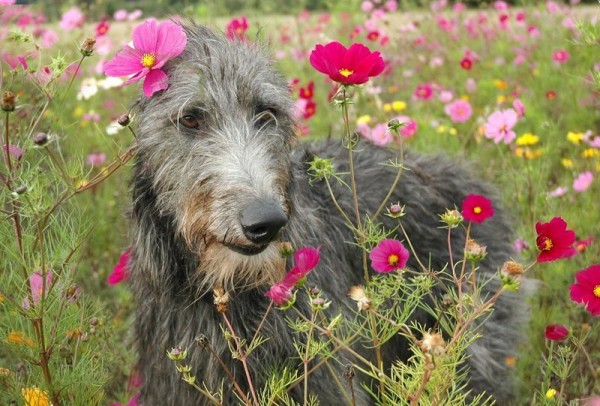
<point>217,146</point>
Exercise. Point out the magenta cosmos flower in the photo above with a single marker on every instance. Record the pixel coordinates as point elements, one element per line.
<point>121,270</point>
<point>305,259</point>
<point>477,208</point>
<point>499,126</point>
<point>556,332</point>
<point>348,66</point>
<point>237,28</point>
<point>459,111</point>
<point>554,240</point>
<point>586,289</point>
<point>153,45</point>
<point>388,256</point>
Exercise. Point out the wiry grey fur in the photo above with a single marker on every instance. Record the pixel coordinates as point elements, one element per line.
<point>190,186</point>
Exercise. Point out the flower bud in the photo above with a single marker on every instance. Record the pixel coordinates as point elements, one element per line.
<point>452,218</point>
<point>40,139</point>
<point>8,101</point>
<point>395,211</point>
<point>124,120</point>
<point>21,189</point>
<point>176,354</point>
<point>286,249</point>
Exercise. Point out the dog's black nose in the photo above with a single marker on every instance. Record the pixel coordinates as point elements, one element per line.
<point>261,220</point>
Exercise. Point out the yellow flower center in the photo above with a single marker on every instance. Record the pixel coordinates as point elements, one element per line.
<point>547,244</point>
<point>148,60</point>
<point>346,72</point>
<point>477,210</point>
<point>393,260</point>
<point>597,291</point>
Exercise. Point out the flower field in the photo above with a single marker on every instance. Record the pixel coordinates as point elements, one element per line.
<point>513,91</point>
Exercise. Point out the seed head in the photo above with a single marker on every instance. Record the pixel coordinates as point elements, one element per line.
<point>357,293</point>
<point>433,343</point>
<point>221,300</point>
<point>512,268</point>
<point>87,47</point>
<point>474,251</point>
<point>8,101</point>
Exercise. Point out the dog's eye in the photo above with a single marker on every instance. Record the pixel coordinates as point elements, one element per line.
<point>189,121</point>
<point>265,116</point>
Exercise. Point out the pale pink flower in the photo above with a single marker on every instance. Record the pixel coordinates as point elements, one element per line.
<point>499,126</point>
<point>558,192</point>
<point>153,45</point>
<point>519,107</point>
<point>471,85</point>
<point>379,135</point>
<point>391,6</point>
<point>458,7</point>
<point>583,181</point>
<point>71,19</point>
<point>49,38</point>
<point>134,15</point>
<point>519,245</point>
<point>7,2</point>
<point>459,111</point>
<point>552,7</point>
<point>96,159</point>
<point>39,288</point>
<point>120,15</point>
<point>501,5</point>
<point>366,6</point>
<point>445,96</point>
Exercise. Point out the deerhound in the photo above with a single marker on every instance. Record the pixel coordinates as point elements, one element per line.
<point>220,180</point>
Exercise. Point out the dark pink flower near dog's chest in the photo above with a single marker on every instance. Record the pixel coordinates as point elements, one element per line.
<point>349,66</point>
<point>554,240</point>
<point>586,289</point>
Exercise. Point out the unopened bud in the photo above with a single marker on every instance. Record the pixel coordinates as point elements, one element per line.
<point>177,354</point>
<point>286,249</point>
<point>395,211</point>
<point>87,47</point>
<point>21,189</point>
<point>40,139</point>
<point>202,341</point>
<point>8,101</point>
<point>452,218</point>
<point>124,120</point>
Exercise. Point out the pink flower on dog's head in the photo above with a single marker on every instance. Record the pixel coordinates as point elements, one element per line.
<point>388,256</point>
<point>154,44</point>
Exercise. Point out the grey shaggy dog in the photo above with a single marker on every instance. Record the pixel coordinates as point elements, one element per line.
<point>220,179</point>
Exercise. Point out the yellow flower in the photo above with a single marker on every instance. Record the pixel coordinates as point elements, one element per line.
<point>81,183</point>
<point>551,394</point>
<point>575,138</point>
<point>363,119</point>
<point>398,106</point>
<point>78,112</point>
<point>453,131</point>
<point>19,338</point>
<point>566,162</point>
<point>1,298</point>
<point>464,97</point>
<point>35,397</point>
<point>387,107</point>
<point>4,372</point>
<point>501,99</point>
<point>500,84</point>
<point>528,139</point>
<point>441,129</point>
<point>590,153</point>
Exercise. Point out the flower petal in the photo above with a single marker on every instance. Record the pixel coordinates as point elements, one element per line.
<point>155,81</point>
<point>126,62</point>
<point>144,37</point>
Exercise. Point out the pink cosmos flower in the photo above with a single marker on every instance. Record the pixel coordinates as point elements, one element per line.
<point>560,56</point>
<point>388,256</point>
<point>477,208</point>
<point>366,6</point>
<point>237,28</point>
<point>38,288</point>
<point>306,259</point>
<point>71,19</point>
<point>378,135</point>
<point>519,107</point>
<point>459,111</point>
<point>154,44</point>
<point>49,38</point>
<point>499,126</point>
<point>423,92</point>
<point>102,28</point>
<point>519,245</point>
<point>410,127</point>
<point>14,151</point>
<point>586,289</point>
<point>583,181</point>
<point>556,332</point>
<point>558,192</point>
<point>120,15</point>
<point>96,159</point>
<point>121,270</point>
<point>348,66</point>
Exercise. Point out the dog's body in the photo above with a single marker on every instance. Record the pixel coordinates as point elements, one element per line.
<point>217,152</point>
